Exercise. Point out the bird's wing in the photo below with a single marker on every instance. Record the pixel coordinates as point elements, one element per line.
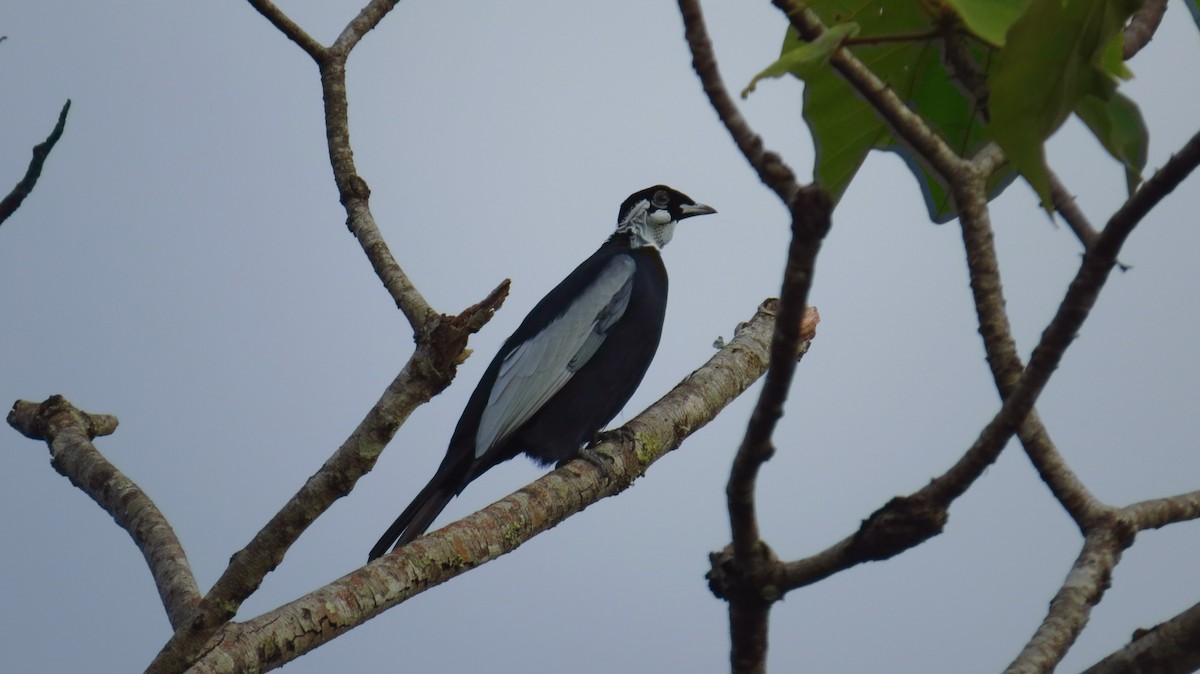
<point>539,367</point>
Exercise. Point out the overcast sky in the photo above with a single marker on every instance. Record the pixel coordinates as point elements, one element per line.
<point>184,265</point>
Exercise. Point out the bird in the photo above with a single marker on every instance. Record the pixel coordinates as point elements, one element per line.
<point>570,366</point>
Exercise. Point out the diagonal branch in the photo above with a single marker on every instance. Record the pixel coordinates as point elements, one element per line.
<point>1159,512</point>
<point>441,341</point>
<point>1083,588</point>
<point>363,23</point>
<point>13,201</point>
<point>1142,27</point>
<point>1001,348</point>
<point>426,374</point>
<point>907,521</point>
<point>770,166</point>
<point>277,637</point>
<point>353,191</point>
<point>289,28</point>
<point>69,432</point>
<point>1171,647</point>
<point>355,198</point>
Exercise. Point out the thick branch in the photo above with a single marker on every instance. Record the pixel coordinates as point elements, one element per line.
<point>13,201</point>
<point>426,374</point>
<point>69,432</point>
<point>1171,647</point>
<point>275,638</point>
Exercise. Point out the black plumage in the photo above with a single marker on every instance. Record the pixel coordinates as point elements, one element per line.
<point>570,366</point>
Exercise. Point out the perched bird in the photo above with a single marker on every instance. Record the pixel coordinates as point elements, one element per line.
<point>571,365</point>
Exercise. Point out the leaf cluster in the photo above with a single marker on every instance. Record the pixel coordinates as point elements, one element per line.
<point>977,71</point>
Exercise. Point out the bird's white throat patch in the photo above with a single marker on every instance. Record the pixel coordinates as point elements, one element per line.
<point>653,228</point>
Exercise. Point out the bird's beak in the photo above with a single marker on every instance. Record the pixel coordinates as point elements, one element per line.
<point>688,210</point>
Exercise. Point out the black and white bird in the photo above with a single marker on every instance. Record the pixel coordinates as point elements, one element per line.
<point>572,364</point>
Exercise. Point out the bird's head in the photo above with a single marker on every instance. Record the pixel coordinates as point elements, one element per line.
<point>650,215</point>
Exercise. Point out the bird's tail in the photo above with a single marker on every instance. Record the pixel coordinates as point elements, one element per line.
<point>417,517</point>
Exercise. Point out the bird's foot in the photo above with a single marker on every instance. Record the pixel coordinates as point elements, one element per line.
<point>596,459</point>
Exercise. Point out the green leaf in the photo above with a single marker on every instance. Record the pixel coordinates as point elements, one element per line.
<point>895,41</point>
<point>1112,58</point>
<point>1117,123</point>
<point>1038,80</point>
<point>802,58</point>
<point>989,19</point>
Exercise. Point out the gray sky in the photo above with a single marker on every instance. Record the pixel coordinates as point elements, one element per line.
<point>183,264</point>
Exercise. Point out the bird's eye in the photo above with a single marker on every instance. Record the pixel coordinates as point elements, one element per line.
<point>660,199</point>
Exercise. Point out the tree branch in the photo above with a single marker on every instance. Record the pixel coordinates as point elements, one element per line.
<point>1159,512</point>
<point>1064,203</point>
<point>770,167</point>
<point>1083,588</point>
<point>68,432</point>
<point>13,201</point>
<point>907,125</point>
<point>742,574</point>
<point>427,373</point>
<point>355,197</point>
<point>360,25</point>
<point>288,632</point>
<point>1171,647</point>
<point>353,191</point>
<point>289,28</point>
<point>907,521</point>
<point>1001,348</point>
<point>1143,26</point>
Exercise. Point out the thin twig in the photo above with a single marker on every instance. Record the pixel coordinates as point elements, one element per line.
<point>363,23</point>
<point>68,432</point>
<point>289,28</point>
<point>353,191</point>
<point>13,201</point>
<point>355,197</point>
<point>1064,203</point>
<point>770,167</point>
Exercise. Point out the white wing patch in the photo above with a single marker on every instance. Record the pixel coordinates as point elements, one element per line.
<point>534,371</point>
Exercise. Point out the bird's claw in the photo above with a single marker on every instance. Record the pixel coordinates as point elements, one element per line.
<point>596,459</point>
